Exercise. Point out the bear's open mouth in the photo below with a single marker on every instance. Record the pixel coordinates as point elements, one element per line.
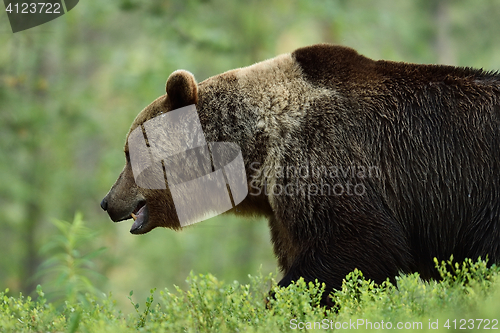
<point>140,216</point>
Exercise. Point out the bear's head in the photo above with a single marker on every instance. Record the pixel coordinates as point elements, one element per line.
<point>150,208</point>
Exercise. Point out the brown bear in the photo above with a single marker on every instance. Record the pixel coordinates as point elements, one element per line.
<point>356,163</point>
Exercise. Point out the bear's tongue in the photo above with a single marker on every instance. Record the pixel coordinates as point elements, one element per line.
<point>139,219</point>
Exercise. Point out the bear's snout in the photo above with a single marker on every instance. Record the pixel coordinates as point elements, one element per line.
<point>120,208</point>
<point>104,204</point>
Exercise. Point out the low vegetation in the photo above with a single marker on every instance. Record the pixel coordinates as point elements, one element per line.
<point>466,297</point>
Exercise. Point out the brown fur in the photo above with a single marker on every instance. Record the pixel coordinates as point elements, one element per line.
<point>433,132</point>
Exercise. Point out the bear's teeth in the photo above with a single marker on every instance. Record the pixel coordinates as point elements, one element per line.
<point>133,216</point>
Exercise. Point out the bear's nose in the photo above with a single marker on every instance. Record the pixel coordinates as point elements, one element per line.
<point>104,204</point>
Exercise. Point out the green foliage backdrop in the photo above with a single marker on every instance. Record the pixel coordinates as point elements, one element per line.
<point>69,90</point>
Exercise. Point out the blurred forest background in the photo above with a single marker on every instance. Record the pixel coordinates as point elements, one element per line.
<point>69,90</point>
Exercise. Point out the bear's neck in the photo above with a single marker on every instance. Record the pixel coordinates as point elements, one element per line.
<point>261,108</point>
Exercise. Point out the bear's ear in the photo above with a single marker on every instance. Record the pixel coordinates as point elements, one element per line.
<point>181,89</point>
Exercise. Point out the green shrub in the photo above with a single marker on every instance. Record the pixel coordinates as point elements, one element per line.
<point>69,269</point>
<point>468,292</point>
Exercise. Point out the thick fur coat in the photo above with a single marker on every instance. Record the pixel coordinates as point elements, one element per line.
<point>356,163</point>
